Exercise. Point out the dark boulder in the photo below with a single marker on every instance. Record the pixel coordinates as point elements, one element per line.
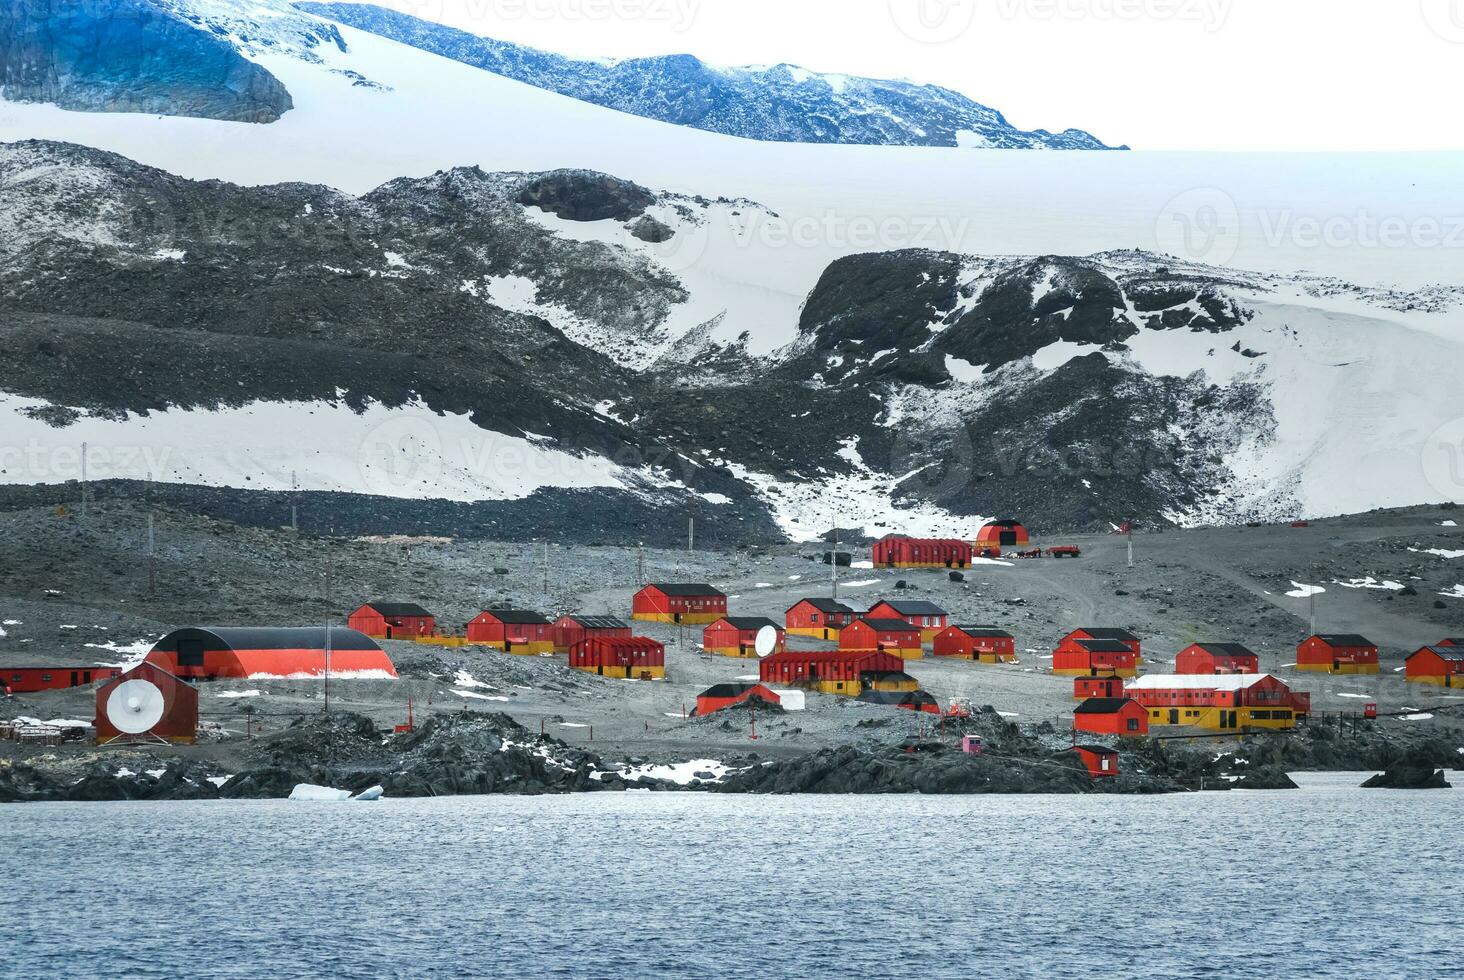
<point>577,195</point>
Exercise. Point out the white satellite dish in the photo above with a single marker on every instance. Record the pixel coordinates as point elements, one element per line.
<point>135,707</point>
<point>767,640</point>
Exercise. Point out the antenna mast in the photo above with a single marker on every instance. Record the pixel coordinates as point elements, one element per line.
<point>834,566</point>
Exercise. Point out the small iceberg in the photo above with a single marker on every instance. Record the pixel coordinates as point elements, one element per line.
<point>325,794</point>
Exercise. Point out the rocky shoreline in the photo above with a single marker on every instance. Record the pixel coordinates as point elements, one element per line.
<point>483,754</point>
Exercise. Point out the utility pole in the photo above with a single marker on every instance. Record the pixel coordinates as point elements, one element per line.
<point>1130,537</point>
<point>327,668</point>
<point>640,564</point>
<point>546,567</point>
<point>691,535</point>
<point>152,562</point>
<point>294,514</point>
<point>834,567</point>
<point>83,479</point>
<point>1311,602</point>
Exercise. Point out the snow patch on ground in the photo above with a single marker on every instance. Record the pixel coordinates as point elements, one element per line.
<point>1300,591</point>
<point>240,694</point>
<point>1371,583</point>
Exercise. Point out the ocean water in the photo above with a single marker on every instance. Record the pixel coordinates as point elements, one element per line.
<point>1329,880</point>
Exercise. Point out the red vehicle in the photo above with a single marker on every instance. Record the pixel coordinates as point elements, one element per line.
<point>990,552</point>
<point>1064,551</point>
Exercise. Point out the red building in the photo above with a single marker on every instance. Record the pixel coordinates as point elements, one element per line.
<point>1003,534</point>
<point>1111,716</point>
<point>1097,687</point>
<point>720,696</point>
<point>28,680</point>
<point>569,630</point>
<point>927,616</point>
<point>1094,658</point>
<point>1220,702</point>
<point>635,658</point>
<point>896,551</point>
<point>1217,658</point>
<point>1337,653</point>
<point>1100,762</point>
<point>207,654</point>
<point>393,621</point>
<point>736,636</point>
<point>1440,666</point>
<point>848,672</point>
<point>146,704</point>
<point>821,618</point>
<point>695,604</point>
<point>512,631</point>
<point>893,636</point>
<point>1113,633</point>
<point>983,644</point>
<point>916,700</point>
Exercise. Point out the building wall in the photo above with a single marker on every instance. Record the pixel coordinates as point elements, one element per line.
<point>1314,655</point>
<point>28,680</point>
<point>653,605</point>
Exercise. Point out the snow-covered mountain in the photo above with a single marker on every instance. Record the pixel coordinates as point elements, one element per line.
<point>521,341</point>
<point>784,102</point>
<point>562,316</point>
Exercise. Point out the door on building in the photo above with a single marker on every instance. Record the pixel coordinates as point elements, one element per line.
<point>190,653</point>
<point>75,679</point>
<point>1008,537</point>
<point>1174,716</point>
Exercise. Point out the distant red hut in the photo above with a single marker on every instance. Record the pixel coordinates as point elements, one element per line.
<point>1438,666</point>
<point>736,636</point>
<point>893,636</point>
<point>512,631</point>
<point>897,551</point>
<point>1003,534</point>
<point>1217,658</point>
<point>929,618</point>
<point>820,618</point>
<point>846,672</point>
<point>1337,653</point>
<point>146,704</point>
<point>1094,658</point>
<point>983,644</point>
<point>393,621</point>
<point>214,652</point>
<point>1097,687</point>
<point>635,658</point>
<point>720,696</point>
<point>569,630</point>
<point>1111,716</point>
<point>1100,762</point>
<point>29,680</point>
<point>1114,633</point>
<point>666,602</point>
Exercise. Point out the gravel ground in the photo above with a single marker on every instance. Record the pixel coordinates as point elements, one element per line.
<point>74,590</point>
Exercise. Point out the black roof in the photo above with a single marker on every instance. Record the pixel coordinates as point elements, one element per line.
<point>1097,749</point>
<point>1100,706</point>
<point>518,617</point>
<point>398,609</point>
<point>1108,633</point>
<point>887,624</point>
<point>1227,649</point>
<point>912,607</point>
<point>1345,640</point>
<point>750,622</point>
<point>684,588</point>
<point>825,605</point>
<point>600,622</point>
<point>1004,522</point>
<point>1102,646</point>
<point>270,638</point>
<point>726,690</point>
<point>990,631</point>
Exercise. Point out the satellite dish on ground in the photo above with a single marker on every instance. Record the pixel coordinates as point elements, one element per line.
<point>135,707</point>
<point>767,640</point>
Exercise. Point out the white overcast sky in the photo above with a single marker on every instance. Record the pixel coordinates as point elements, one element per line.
<point>1157,74</point>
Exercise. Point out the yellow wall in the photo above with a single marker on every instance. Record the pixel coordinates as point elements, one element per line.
<point>901,686</point>
<point>993,658</point>
<point>1078,672</point>
<point>817,632</point>
<point>1209,718</point>
<point>1437,680</point>
<point>621,673</point>
<point>1341,668</point>
<point>730,652</point>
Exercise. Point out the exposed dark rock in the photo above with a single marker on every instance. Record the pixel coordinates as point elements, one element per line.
<point>577,195</point>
